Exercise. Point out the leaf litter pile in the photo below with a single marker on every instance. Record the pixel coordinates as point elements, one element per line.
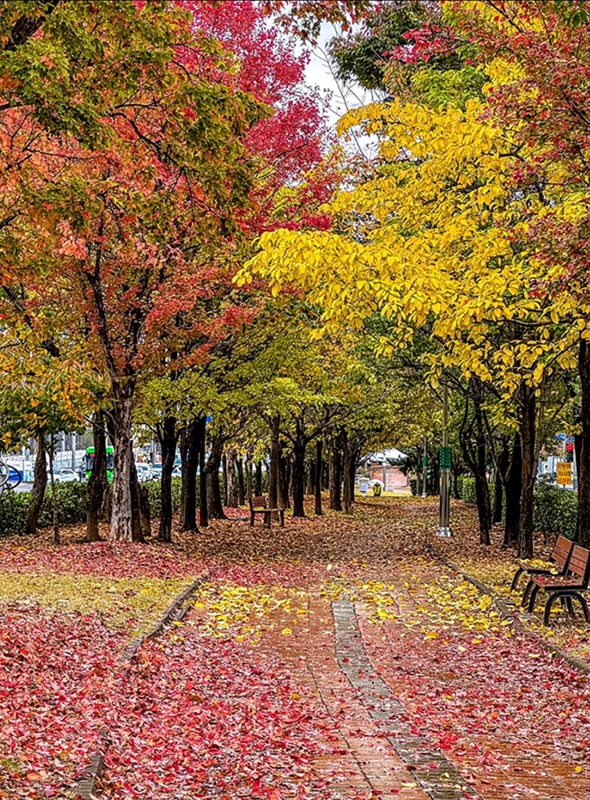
<point>246,698</point>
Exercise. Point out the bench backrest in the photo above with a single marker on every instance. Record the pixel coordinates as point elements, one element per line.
<point>580,562</point>
<point>562,551</point>
<point>258,502</point>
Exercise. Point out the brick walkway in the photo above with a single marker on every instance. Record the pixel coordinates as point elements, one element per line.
<point>416,721</point>
<point>514,721</point>
<point>365,764</point>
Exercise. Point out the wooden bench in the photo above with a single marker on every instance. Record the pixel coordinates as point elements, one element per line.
<point>559,558</point>
<point>565,587</point>
<point>259,505</point>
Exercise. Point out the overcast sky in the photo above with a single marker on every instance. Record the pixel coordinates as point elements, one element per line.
<point>319,74</point>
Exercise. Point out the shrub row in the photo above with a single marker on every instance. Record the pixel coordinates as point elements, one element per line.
<point>71,505</point>
<point>555,509</point>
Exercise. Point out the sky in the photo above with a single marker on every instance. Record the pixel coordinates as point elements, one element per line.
<point>318,73</point>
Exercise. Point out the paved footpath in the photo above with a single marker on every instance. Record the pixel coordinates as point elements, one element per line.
<point>450,714</point>
<point>436,700</point>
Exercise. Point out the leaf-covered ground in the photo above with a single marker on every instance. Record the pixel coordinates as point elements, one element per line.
<point>247,697</point>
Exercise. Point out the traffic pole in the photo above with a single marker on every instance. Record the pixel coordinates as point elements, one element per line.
<point>444,528</point>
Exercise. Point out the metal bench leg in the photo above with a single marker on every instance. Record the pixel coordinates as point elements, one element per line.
<point>252,520</point>
<point>570,607</point>
<point>526,593</point>
<point>548,606</point>
<point>267,516</point>
<point>516,578</point>
<point>533,597</point>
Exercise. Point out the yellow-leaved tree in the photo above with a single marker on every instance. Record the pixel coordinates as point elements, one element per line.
<point>437,240</point>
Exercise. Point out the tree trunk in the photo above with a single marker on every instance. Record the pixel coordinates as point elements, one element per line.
<point>249,476</point>
<point>335,477</point>
<point>191,451</point>
<point>513,488</point>
<point>239,463</point>
<point>584,454</point>
<point>214,499</point>
<point>501,471</point>
<point>56,538</point>
<point>258,480</point>
<point>122,514</point>
<point>167,437</point>
<point>482,489</point>
<point>498,495</point>
<point>230,476</point>
<point>39,486</point>
<point>529,470</point>
<point>284,481</point>
<point>224,473</point>
<point>274,477</point>
<point>472,436</point>
<point>203,498</point>
<point>348,487</point>
<point>97,483</point>
<point>299,478</point>
<point>310,477</point>
<point>140,515</point>
<point>318,477</point>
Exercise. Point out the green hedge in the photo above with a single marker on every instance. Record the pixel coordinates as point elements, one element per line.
<point>155,495</point>
<point>555,509</point>
<point>467,490</point>
<point>71,505</point>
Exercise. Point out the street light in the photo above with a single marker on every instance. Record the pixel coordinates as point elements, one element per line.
<point>444,529</point>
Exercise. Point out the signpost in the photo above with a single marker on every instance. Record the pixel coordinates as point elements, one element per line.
<point>565,473</point>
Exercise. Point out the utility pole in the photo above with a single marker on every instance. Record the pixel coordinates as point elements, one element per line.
<point>444,529</point>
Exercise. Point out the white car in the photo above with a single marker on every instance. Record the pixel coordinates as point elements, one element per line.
<point>65,476</point>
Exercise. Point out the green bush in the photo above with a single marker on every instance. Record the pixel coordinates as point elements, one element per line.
<point>155,495</point>
<point>555,510</point>
<point>13,512</point>
<point>468,490</point>
<point>71,505</point>
<point>413,486</point>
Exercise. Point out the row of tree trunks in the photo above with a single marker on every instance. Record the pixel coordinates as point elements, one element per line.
<point>168,437</point>
<point>191,443</point>
<point>335,478</point>
<point>97,483</point>
<point>583,526</point>
<point>529,470</point>
<point>212,482</point>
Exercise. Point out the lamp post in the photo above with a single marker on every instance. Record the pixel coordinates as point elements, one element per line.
<point>444,529</point>
<point>424,469</point>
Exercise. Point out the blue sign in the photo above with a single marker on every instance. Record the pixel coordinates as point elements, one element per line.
<point>561,437</point>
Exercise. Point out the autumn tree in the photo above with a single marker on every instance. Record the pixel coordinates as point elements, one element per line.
<point>541,53</point>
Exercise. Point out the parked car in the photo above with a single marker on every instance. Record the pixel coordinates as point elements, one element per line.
<point>177,472</point>
<point>156,471</point>
<point>65,475</point>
